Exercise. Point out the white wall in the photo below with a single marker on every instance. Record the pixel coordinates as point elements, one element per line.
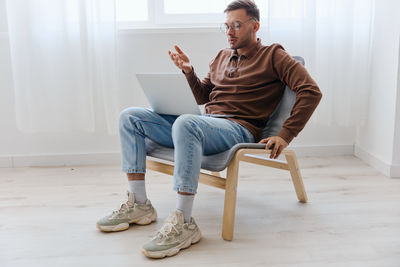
<point>378,138</point>
<point>395,166</point>
<point>396,147</point>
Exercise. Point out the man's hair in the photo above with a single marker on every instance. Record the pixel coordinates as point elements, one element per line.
<point>251,8</point>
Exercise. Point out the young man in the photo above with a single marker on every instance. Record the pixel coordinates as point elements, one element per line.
<point>243,87</point>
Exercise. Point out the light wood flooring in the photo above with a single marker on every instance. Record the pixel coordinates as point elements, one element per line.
<point>48,216</point>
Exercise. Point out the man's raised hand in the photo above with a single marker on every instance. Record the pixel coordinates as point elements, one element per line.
<point>180,59</point>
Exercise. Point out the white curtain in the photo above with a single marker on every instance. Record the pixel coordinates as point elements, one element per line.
<point>64,58</point>
<point>334,36</point>
<point>64,63</point>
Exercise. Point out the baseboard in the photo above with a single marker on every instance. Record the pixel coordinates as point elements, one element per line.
<point>59,160</point>
<point>323,151</point>
<point>395,171</point>
<point>6,162</point>
<point>385,168</point>
<point>114,158</point>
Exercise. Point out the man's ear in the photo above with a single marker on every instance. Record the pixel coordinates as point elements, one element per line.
<point>256,26</point>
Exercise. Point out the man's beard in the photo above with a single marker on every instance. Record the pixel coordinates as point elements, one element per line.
<point>240,44</point>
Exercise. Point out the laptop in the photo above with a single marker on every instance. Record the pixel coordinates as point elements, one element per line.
<point>168,93</point>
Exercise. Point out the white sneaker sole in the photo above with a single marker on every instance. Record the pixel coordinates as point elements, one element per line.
<point>123,226</point>
<point>173,251</point>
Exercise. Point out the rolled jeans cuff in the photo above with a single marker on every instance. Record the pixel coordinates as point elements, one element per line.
<point>134,170</point>
<point>185,189</point>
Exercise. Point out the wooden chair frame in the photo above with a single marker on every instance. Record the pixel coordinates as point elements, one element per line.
<point>229,184</point>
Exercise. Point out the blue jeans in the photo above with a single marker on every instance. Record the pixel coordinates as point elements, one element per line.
<point>191,136</point>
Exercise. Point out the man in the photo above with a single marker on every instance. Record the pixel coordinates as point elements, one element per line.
<point>243,87</point>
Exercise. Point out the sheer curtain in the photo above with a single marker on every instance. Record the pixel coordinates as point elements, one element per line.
<point>335,39</point>
<point>64,58</point>
<point>64,62</point>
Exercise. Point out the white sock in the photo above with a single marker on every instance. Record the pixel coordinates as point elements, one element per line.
<point>138,187</point>
<point>184,203</point>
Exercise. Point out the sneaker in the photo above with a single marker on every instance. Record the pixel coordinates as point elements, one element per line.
<point>129,212</point>
<point>173,236</point>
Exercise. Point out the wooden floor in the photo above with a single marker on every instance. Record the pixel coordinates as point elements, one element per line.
<point>48,216</point>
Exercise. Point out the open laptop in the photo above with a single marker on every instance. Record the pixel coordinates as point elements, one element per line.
<point>168,93</point>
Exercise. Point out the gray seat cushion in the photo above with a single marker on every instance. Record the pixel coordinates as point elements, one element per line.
<point>216,162</point>
<point>219,161</point>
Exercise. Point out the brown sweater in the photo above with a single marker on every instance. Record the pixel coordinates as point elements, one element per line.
<point>250,86</point>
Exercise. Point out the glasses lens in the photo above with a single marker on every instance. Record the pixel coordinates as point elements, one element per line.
<point>236,25</point>
<point>224,28</point>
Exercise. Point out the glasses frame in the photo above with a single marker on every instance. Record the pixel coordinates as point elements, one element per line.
<point>235,26</point>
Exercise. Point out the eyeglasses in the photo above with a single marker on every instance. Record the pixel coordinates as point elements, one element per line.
<point>235,26</point>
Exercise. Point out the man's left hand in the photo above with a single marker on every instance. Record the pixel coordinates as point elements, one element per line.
<point>279,145</point>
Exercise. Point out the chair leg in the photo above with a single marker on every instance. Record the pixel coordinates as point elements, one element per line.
<point>296,176</point>
<point>230,199</point>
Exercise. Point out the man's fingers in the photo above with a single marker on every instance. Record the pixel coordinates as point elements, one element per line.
<point>269,144</point>
<point>279,151</point>
<point>172,55</point>
<point>178,49</point>
<point>175,58</point>
<point>275,144</point>
<point>274,150</point>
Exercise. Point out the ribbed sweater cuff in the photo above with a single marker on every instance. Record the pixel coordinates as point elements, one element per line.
<point>286,135</point>
<point>191,72</point>
<point>190,76</point>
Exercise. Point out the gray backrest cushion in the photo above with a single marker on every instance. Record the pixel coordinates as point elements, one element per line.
<point>282,111</point>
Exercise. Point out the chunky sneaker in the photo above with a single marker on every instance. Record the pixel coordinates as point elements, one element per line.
<point>129,212</point>
<point>173,236</point>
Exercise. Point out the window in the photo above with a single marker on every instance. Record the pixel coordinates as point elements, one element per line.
<point>195,7</point>
<point>174,13</point>
<point>129,11</point>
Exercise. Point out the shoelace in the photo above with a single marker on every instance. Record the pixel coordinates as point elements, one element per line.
<point>168,227</point>
<point>124,207</point>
